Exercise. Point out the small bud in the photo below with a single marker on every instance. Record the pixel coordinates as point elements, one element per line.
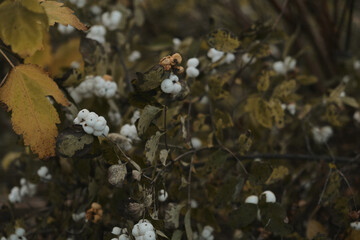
<point>136,175</point>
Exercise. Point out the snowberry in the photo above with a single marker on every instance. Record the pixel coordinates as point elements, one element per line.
<point>193,62</point>
<point>269,196</point>
<point>192,72</point>
<point>88,129</point>
<point>135,116</point>
<point>322,135</point>
<point>163,195</point>
<point>111,19</point>
<point>129,131</point>
<point>14,196</point>
<point>291,107</point>
<point>134,56</point>
<point>282,67</point>
<point>20,232</point>
<point>207,232</point>
<point>95,9</point>
<point>193,203</point>
<point>124,237</point>
<point>13,237</point>
<point>355,225</point>
<point>252,199</point>
<point>150,235</point>
<point>43,172</point>
<point>176,88</point>
<point>65,29</point>
<point>78,3</point>
<point>116,231</point>
<point>173,77</point>
<point>143,230</point>
<point>246,58</point>
<point>229,58</point>
<point>215,55</point>
<point>167,86</point>
<point>78,216</point>
<point>97,33</point>
<point>196,142</point>
<point>177,43</point>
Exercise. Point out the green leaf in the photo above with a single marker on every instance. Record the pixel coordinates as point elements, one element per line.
<point>263,113</point>
<point>245,142</point>
<point>74,143</point>
<point>187,220</point>
<point>223,40</point>
<point>244,215</point>
<point>264,81</point>
<point>259,172</point>
<point>22,25</point>
<point>151,147</point>
<point>277,112</point>
<point>151,79</point>
<point>147,115</point>
<point>273,217</point>
<point>284,89</point>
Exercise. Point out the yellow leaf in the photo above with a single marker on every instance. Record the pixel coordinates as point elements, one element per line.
<point>9,158</point>
<point>223,40</point>
<point>314,228</point>
<point>33,116</point>
<point>65,55</point>
<point>277,174</point>
<point>22,24</point>
<point>41,57</point>
<point>56,12</point>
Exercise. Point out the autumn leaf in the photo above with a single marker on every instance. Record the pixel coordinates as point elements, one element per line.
<point>22,25</point>
<point>33,115</point>
<point>57,13</point>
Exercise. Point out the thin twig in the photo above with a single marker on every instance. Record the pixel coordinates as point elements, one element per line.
<point>189,181</point>
<point>7,59</point>
<point>165,129</point>
<point>280,15</point>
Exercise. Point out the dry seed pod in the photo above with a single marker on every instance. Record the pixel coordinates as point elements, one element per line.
<point>107,77</point>
<point>176,57</point>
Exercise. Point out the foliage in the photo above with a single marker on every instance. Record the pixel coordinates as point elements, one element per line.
<point>253,120</point>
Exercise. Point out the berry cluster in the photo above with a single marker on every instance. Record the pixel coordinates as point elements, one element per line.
<point>291,107</point>
<point>27,189</point>
<point>98,86</point>
<point>44,174</point>
<point>163,195</point>
<point>282,67</point>
<point>18,235</point>
<point>269,198</point>
<point>322,134</point>
<point>216,55</point>
<point>92,123</point>
<point>97,33</point>
<point>111,19</point>
<point>171,85</point>
<point>122,234</point>
<point>130,133</point>
<point>191,69</point>
<point>143,230</point>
